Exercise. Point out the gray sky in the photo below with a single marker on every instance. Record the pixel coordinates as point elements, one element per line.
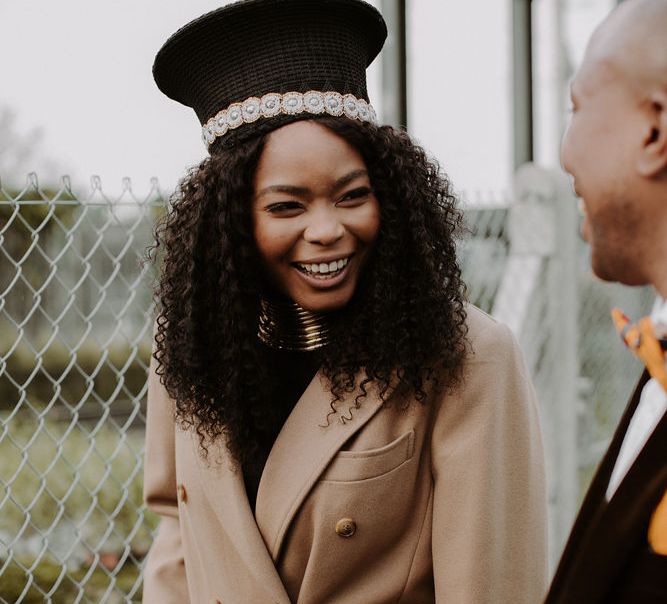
<point>80,71</point>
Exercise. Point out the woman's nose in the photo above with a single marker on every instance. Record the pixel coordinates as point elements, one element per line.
<point>324,227</point>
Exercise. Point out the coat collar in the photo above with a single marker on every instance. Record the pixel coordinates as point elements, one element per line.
<point>604,535</point>
<point>302,451</point>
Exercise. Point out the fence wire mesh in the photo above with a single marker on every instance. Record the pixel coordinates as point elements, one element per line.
<point>75,339</point>
<point>75,317</point>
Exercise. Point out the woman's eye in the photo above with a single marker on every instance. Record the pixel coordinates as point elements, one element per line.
<point>356,194</point>
<point>284,208</point>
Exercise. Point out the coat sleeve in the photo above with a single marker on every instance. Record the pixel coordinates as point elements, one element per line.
<point>489,498</point>
<point>164,572</point>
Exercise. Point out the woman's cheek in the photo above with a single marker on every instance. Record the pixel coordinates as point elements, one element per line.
<point>369,226</point>
<point>277,253</point>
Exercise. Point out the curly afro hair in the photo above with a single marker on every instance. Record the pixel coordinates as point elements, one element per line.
<point>405,321</point>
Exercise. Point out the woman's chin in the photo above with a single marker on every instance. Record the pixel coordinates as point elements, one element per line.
<point>323,302</point>
<point>322,306</point>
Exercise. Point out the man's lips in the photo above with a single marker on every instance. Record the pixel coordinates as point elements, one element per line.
<point>585,225</point>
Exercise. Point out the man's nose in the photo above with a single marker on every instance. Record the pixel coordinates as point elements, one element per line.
<point>565,151</point>
<point>324,226</point>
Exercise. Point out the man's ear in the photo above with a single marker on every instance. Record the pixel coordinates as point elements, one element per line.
<point>653,158</point>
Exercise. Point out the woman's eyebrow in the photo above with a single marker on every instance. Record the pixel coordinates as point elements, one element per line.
<point>348,178</point>
<point>289,189</point>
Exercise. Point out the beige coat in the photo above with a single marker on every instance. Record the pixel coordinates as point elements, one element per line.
<point>443,502</point>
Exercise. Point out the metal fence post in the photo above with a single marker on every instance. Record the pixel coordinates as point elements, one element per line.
<point>394,70</point>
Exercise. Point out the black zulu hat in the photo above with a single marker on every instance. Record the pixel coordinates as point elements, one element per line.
<point>279,59</point>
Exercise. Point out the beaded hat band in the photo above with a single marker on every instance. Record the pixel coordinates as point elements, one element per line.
<point>290,103</point>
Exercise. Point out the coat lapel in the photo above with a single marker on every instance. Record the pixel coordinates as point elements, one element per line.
<point>605,534</point>
<point>592,501</point>
<point>302,451</point>
<point>622,524</point>
<point>226,491</point>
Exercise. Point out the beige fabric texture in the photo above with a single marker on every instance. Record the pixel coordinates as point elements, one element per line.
<point>447,499</point>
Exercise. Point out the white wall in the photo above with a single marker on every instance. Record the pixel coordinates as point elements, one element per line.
<point>459,88</point>
<point>561,30</point>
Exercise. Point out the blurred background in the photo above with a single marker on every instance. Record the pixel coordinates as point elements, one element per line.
<point>89,153</point>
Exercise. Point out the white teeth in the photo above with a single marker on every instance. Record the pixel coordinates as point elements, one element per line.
<point>325,268</point>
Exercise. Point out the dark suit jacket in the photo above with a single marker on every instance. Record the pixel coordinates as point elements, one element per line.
<point>607,557</point>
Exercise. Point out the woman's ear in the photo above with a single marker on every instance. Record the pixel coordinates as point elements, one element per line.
<point>653,158</point>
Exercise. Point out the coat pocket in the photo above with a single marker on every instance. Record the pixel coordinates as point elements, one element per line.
<point>348,466</point>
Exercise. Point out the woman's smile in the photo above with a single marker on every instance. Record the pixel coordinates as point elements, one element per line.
<point>324,273</point>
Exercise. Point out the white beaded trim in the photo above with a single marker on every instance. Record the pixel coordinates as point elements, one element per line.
<point>290,103</point>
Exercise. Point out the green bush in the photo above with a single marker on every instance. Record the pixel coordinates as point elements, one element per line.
<point>83,482</point>
<point>67,378</point>
<point>67,585</point>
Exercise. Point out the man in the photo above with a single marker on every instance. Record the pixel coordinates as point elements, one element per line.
<point>616,150</point>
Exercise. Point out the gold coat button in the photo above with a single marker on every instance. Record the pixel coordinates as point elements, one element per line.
<point>182,493</point>
<point>346,527</point>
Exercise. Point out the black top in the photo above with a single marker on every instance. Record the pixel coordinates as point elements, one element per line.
<point>290,374</point>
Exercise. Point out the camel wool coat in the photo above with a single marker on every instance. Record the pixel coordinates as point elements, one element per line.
<point>404,503</point>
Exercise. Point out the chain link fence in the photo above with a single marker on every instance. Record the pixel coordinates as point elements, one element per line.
<point>75,339</point>
<point>75,324</point>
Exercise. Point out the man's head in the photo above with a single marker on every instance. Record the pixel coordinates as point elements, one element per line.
<point>616,144</point>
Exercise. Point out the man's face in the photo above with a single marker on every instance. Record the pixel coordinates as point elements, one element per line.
<point>597,150</point>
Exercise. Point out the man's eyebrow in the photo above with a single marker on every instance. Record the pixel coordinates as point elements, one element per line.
<point>304,191</point>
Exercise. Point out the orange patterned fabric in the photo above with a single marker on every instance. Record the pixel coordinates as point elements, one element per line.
<point>642,340</point>
<point>657,530</point>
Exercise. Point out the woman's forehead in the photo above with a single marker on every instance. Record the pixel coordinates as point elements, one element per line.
<point>303,149</point>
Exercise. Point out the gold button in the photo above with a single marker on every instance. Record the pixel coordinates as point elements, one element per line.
<point>182,493</point>
<point>346,527</point>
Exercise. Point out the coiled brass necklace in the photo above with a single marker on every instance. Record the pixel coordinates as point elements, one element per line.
<point>287,326</point>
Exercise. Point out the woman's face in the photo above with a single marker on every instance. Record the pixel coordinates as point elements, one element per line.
<point>315,215</point>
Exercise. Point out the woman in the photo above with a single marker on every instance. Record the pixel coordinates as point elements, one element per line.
<point>328,421</point>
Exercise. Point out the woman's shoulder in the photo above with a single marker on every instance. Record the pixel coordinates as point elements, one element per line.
<point>495,377</point>
<point>487,338</point>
